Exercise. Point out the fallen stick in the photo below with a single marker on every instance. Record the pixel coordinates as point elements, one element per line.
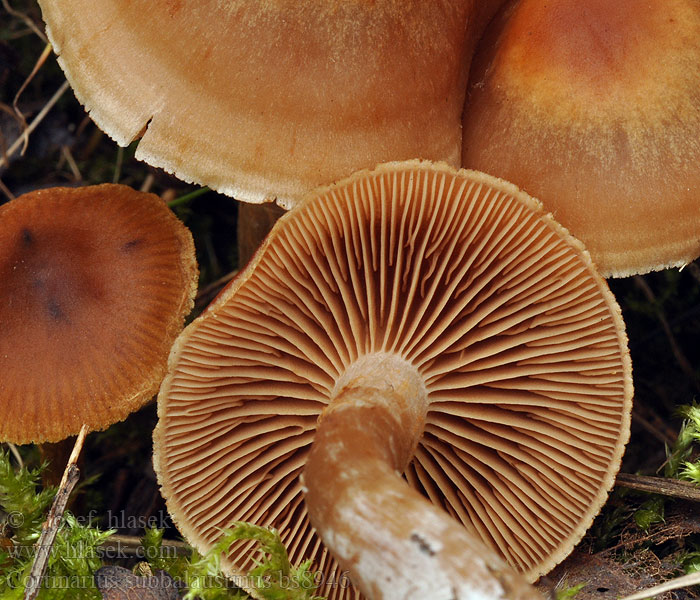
<point>659,485</point>
<point>667,586</point>
<point>53,520</point>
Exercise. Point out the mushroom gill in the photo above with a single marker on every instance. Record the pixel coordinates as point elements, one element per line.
<point>448,306</point>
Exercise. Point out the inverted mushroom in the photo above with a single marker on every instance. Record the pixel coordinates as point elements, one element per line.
<point>267,100</point>
<point>96,282</point>
<point>593,107</point>
<point>410,319</point>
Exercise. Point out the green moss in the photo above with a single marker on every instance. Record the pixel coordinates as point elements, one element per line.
<point>77,554</point>
<point>678,464</point>
<point>273,577</point>
<point>650,512</point>
<point>569,592</point>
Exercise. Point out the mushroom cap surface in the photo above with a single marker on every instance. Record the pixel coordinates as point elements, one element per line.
<point>96,283</point>
<point>267,100</point>
<point>519,341</point>
<point>594,108</point>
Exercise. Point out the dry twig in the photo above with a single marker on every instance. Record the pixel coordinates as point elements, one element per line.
<point>667,586</point>
<point>53,520</point>
<point>147,183</point>
<point>28,21</point>
<point>70,161</point>
<point>20,115</point>
<point>16,454</point>
<point>5,190</point>
<point>659,485</point>
<point>118,165</point>
<point>683,362</point>
<point>214,286</point>
<point>35,123</point>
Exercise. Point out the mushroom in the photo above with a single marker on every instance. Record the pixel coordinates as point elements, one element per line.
<point>96,282</point>
<point>267,100</point>
<point>412,319</point>
<point>593,107</point>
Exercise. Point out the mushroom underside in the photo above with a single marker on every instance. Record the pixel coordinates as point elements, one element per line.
<point>518,341</point>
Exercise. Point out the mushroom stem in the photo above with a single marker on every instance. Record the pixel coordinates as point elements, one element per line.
<point>392,541</point>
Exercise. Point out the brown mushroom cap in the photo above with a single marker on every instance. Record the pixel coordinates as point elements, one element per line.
<point>518,340</point>
<point>96,282</point>
<point>594,108</point>
<point>267,100</point>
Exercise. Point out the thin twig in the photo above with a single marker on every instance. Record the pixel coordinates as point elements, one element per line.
<point>5,190</point>
<point>70,161</point>
<point>35,123</point>
<point>18,35</point>
<point>663,437</point>
<point>639,540</point>
<point>26,19</point>
<point>659,485</point>
<point>16,454</point>
<point>220,282</point>
<point>147,183</point>
<point>683,362</point>
<point>185,198</point>
<point>118,166</point>
<point>3,146</point>
<point>667,586</point>
<point>53,520</point>
<point>20,115</point>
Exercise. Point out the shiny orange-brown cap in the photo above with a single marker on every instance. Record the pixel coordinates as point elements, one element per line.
<point>594,108</point>
<point>96,283</point>
<point>267,100</point>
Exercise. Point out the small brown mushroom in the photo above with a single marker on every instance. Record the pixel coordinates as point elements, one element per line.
<point>95,284</point>
<point>593,107</point>
<point>267,100</point>
<point>412,319</point>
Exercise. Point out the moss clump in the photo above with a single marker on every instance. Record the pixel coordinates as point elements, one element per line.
<point>77,553</point>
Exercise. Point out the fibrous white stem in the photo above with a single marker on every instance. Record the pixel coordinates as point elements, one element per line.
<point>393,542</point>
